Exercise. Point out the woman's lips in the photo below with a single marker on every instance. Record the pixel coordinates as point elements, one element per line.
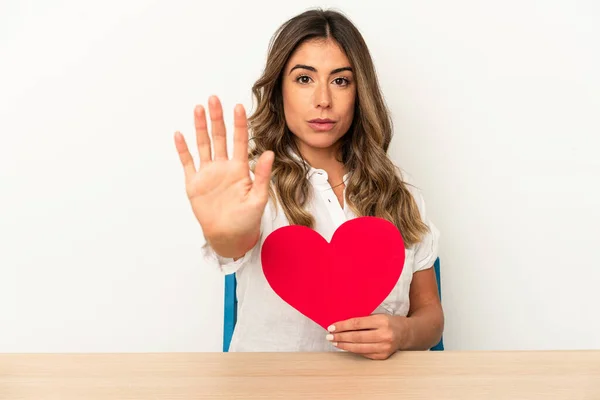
<point>321,125</point>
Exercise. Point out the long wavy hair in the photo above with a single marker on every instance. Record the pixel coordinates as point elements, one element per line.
<point>375,186</point>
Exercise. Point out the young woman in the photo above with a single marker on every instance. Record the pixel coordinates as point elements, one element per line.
<point>318,157</point>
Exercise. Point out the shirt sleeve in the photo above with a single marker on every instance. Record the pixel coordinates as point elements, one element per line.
<point>427,250</point>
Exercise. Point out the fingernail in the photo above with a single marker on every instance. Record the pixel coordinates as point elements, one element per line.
<point>334,343</point>
<point>331,328</point>
<point>329,337</point>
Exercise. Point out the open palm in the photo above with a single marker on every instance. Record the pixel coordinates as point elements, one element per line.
<point>225,200</point>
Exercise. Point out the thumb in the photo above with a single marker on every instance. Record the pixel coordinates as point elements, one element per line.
<point>262,175</point>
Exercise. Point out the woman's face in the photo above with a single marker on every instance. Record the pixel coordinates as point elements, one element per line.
<point>318,94</point>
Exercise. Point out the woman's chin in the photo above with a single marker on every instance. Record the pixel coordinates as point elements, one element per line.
<point>319,140</point>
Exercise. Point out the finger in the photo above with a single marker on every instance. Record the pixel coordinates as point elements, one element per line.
<point>262,175</point>
<point>359,348</point>
<point>217,128</point>
<point>356,324</point>
<point>184,156</point>
<point>240,134</point>
<point>362,336</point>
<point>202,139</point>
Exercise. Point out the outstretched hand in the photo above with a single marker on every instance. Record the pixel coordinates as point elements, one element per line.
<point>224,199</point>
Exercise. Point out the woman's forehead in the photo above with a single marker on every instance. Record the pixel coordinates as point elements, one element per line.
<point>322,55</point>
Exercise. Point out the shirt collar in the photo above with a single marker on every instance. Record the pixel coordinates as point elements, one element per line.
<point>319,174</point>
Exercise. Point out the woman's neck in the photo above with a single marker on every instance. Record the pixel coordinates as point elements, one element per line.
<point>327,159</point>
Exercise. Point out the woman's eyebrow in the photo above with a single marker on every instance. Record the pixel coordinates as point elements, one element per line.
<point>313,69</point>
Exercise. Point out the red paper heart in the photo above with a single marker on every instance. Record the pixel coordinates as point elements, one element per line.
<point>330,282</point>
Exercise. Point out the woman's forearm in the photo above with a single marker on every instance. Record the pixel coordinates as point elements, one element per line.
<point>423,328</point>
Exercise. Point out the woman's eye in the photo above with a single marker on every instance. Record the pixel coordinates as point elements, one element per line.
<point>304,79</point>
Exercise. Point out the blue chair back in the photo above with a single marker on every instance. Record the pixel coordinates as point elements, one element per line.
<point>436,267</point>
<point>230,309</point>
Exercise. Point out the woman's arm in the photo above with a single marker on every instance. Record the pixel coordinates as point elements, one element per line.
<point>424,324</point>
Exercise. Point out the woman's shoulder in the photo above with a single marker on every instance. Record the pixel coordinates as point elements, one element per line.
<point>427,249</point>
<point>412,186</point>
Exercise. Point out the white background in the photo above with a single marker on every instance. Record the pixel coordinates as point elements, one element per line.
<point>496,110</point>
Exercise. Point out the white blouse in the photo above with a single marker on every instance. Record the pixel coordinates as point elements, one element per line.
<point>267,323</point>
